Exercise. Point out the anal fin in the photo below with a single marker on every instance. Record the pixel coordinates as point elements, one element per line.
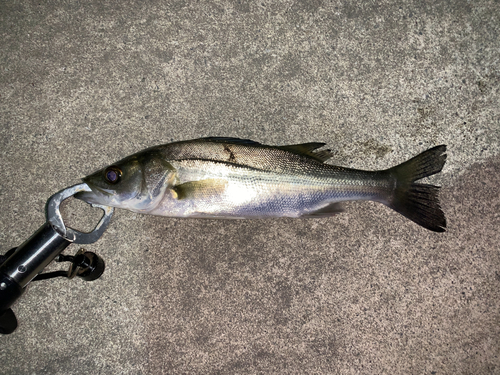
<point>329,210</point>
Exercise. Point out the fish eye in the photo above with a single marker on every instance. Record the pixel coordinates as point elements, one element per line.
<point>113,174</point>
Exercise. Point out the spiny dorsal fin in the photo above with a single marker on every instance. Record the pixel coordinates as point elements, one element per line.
<point>307,149</point>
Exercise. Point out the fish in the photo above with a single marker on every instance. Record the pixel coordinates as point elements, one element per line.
<point>232,178</point>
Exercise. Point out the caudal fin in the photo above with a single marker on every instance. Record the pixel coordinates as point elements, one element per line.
<point>419,202</point>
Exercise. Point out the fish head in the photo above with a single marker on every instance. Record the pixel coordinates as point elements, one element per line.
<point>137,183</point>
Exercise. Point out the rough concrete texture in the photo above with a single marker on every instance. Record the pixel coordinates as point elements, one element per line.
<point>83,84</point>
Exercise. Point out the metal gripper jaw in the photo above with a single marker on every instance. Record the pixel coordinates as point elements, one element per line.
<point>25,263</point>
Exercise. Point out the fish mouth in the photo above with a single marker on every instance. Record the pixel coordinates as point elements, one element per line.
<point>86,196</point>
<point>92,196</point>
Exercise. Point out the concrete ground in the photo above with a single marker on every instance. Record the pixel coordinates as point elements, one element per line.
<point>83,84</point>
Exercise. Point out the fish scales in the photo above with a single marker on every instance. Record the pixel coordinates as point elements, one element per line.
<point>252,192</point>
<point>232,178</point>
<point>252,155</point>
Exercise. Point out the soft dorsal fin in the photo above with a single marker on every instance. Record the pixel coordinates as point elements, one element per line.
<point>323,155</point>
<point>307,149</point>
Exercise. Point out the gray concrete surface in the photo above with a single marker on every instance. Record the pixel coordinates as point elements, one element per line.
<point>85,83</point>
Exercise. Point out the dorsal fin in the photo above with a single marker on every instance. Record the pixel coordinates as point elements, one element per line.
<point>323,155</point>
<point>303,149</point>
<point>307,149</point>
<point>231,140</point>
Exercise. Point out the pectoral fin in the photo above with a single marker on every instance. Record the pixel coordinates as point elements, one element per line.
<point>329,210</point>
<point>200,189</point>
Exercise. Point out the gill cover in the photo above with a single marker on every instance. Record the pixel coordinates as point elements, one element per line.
<point>137,183</point>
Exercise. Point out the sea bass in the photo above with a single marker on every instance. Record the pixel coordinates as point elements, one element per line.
<point>232,178</point>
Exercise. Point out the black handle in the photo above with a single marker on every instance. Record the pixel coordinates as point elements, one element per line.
<point>22,265</point>
<point>8,322</point>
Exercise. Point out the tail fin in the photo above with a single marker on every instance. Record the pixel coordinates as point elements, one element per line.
<point>419,202</point>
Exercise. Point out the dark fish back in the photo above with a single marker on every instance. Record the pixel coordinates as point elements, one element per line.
<point>250,154</point>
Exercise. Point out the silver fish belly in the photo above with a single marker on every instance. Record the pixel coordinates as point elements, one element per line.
<point>235,191</point>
